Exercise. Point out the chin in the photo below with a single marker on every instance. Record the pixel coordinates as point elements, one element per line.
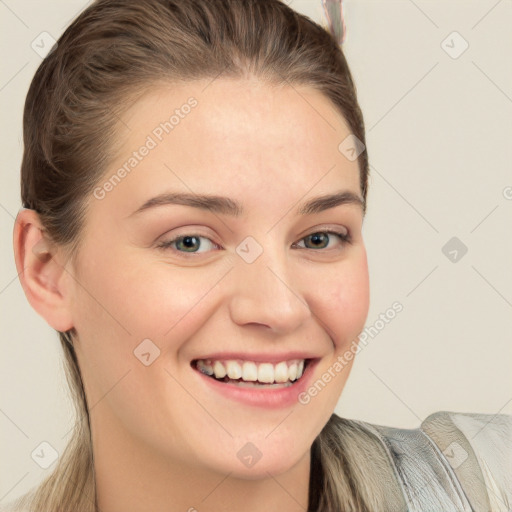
<point>274,466</point>
<point>252,460</point>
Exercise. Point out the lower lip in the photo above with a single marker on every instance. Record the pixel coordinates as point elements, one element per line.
<point>270,398</point>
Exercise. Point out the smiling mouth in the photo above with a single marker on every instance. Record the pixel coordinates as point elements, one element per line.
<point>251,374</point>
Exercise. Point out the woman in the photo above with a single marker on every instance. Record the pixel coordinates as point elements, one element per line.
<point>206,379</point>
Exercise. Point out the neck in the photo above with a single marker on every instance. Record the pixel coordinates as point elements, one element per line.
<point>130,477</point>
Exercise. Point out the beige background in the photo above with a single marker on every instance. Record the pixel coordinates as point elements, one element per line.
<point>439,133</point>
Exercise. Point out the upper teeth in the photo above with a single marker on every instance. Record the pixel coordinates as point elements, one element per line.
<point>251,371</point>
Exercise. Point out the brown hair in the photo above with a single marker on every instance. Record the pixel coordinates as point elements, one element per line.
<point>110,55</point>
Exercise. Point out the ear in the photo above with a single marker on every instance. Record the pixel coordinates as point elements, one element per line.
<point>40,267</point>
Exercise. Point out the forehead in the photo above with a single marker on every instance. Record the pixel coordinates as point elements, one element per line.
<point>233,135</point>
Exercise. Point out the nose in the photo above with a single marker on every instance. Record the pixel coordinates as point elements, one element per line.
<point>268,292</point>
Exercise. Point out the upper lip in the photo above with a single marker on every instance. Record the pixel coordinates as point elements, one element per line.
<point>260,356</point>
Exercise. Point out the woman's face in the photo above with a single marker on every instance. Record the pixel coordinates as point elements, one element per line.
<point>254,287</point>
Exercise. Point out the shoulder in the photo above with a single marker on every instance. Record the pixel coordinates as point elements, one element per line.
<point>478,448</point>
<point>456,461</point>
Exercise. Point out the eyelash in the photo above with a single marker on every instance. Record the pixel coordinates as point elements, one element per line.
<point>344,237</point>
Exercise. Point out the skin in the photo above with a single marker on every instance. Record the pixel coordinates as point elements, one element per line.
<point>162,440</point>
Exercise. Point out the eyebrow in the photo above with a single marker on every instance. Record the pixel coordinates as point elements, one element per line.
<point>227,206</point>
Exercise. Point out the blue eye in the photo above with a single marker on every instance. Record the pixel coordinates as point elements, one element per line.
<point>189,243</point>
<point>322,236</point>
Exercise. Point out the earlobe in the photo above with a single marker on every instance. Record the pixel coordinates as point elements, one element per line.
<point>41,271</point>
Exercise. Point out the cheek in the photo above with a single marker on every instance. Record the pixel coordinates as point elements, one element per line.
<point>136,297</point>
<point>117,307</point>
<point>345,305</point>
<point>170,303</point>
<point>134,302</point>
